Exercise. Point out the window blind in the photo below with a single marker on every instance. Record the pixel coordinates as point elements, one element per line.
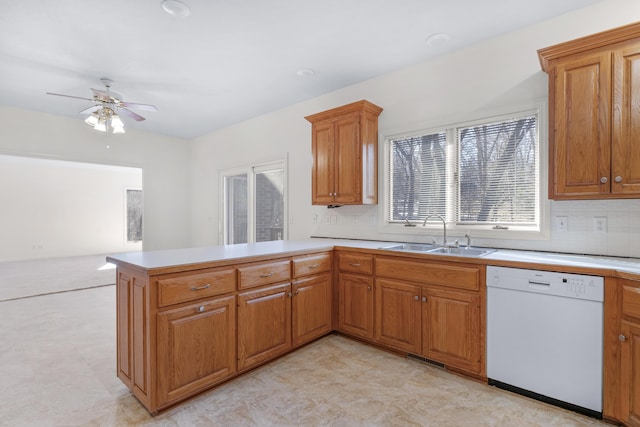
<point>498,170</point>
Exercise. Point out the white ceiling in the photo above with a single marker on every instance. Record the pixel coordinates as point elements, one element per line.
<point>230,60</point>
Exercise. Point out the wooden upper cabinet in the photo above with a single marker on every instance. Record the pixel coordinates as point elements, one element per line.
<point>344,145</point>
<point>594,115</point>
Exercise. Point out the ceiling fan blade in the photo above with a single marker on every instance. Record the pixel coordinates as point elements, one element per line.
<point>69,96</point>
<point>145,107</point>
<point>135,116</point>
<point>90,109</point>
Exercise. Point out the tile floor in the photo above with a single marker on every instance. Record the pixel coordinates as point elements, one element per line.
<point>57,368</point>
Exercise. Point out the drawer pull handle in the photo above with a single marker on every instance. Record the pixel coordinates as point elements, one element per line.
<point>266,275</point>
<point>355,264</point>
<point>313,266</point>
<point>199,288</point>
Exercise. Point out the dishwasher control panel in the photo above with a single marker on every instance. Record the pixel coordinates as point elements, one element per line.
<point>547,282</point>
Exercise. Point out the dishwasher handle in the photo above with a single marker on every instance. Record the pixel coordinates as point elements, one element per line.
<point>539,286</point>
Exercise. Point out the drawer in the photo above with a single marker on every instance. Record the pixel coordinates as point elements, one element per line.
<point>451,275</point>
<point>180,287</point>
<point>356,263</point>
<point>252,275</point>
<point>631,301</point>
<point>311,264</point>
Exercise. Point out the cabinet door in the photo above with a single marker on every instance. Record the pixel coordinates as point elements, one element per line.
<point>398,314</point>
<point>451,328</point>
<point>580,144</point>
<point>323,170</point>
<point>355,314</point>
<point>348,181</point>
<point>626,122</point>
<point>264,324</point>
<point>630,373</point>
<point>195,347</point>
<point>311,308</point>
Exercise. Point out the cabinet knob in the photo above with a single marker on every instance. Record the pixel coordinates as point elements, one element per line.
<point>424,299</point>
<point>618,178</point>
<point>368,288</point>
<point>622,337</point>
<point>417,298</point>
<point>604,180</point>
<point>201,309</point>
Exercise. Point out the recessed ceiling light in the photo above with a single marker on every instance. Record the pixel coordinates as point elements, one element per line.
<point>305,72</point>
<point>437,39</point>
<point>176,8</point>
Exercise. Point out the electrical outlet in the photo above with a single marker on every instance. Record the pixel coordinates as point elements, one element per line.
<point>334,219</point>
<point>314,218</point>
<point>600,224</point>
<point>562,224</point>
<point>328,219</point>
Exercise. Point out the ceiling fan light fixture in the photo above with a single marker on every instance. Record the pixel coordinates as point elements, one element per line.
<point>175,8</point>
<point>101,126</point>
<point>92,120</point>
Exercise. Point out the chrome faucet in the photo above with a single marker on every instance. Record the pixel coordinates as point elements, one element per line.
<point>444,227</point>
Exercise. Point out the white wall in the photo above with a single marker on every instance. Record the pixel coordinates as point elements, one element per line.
<point>164,161</point>
<point>53,208</point>
<point>467,84</point>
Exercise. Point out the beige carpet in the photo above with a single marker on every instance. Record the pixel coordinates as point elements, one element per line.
<point>57,365</point>
<point>22,279</point>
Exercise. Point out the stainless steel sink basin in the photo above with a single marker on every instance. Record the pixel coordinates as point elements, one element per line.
<point>434,249</point>
<point>472,252</point>
<point>410,247</point>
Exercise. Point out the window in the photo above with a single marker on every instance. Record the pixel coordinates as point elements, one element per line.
<point>254,201</point>
<point>483,174</point>
<point>134,215</point>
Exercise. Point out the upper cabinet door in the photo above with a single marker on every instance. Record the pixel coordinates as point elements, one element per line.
<point>348,184</point>
<point>626,121</point>
<point>581,132</point>
<point>323,151</point>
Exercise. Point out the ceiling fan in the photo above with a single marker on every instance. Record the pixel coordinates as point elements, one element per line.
<point>103,115</point>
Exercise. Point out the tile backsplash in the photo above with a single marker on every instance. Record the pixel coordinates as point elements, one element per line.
<point>595,227</point>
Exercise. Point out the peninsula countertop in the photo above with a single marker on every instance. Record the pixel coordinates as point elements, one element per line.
<point>175,258</point>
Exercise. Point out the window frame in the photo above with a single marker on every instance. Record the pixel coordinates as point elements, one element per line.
<point>450,127</point>
<point>251,171</point>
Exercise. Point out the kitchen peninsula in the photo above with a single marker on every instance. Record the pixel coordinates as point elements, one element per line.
<point>190,319</point>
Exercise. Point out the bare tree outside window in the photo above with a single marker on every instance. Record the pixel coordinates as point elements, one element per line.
<point>134,216</point>
<point>481,174</point>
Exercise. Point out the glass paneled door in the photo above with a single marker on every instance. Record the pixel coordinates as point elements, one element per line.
<point>255,204</point>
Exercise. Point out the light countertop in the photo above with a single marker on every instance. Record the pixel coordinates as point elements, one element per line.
<point>150,260</point>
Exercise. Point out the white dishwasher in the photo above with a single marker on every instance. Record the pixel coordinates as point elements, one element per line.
<point>544,336</point>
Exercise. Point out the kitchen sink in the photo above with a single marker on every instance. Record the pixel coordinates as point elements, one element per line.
<point>434,249</point>
<point>472,252</point>
<point>410,247</point>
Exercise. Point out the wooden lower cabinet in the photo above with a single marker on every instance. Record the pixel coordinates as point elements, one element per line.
<point>311,308</point>
<point>196,347</point>
<point>630,373</point>
<point>451,326</point>
<point>264,324</point>
<point>398,315</point>
<point>441,325</point>
<point>356,298</point>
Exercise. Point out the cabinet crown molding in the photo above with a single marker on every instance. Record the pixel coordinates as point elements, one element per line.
<point>354,107</point>
<point>594,41</point>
